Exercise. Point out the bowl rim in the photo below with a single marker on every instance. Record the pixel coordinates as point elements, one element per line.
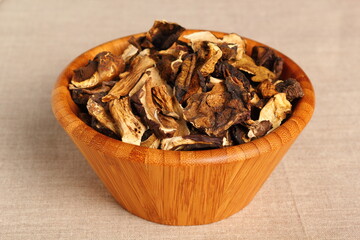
<point>64,110</point>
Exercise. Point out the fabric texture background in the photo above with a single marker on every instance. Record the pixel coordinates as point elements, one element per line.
<point>47,189</point>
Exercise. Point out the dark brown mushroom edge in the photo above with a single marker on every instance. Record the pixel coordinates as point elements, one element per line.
<point>174,95</point>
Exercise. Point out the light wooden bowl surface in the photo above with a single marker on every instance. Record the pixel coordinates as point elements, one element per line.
<point>181,187</point>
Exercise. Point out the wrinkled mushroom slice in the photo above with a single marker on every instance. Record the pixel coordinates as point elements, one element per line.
<point>215,111</point>
<point>124,86</point>
<point>229,51</point>
<point>163,34</point>
<point>82,95</point>
<point>291,87</point>
<point>129,52</point>
<point>183,80</point>
<point>248,65</point>
<point>266,57</point>
<point>212,58</point>
<point>108,67</point>
<point>275,110</point>
<point>191,142</point>
<point>85,72</point>
<point>259,128</point>
<point>164,101</point>
<point>129,127</point>
<point>267,89</point>
<point>96,110</point>
<point>162,126</point>
<point>151,142</point>
<point>196,39</point>
<point>233,38</point>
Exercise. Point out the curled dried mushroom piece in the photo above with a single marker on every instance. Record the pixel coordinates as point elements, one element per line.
<point>191,92</point>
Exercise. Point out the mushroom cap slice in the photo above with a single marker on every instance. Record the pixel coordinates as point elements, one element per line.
<point>96,110</point>
<point>129,127</point>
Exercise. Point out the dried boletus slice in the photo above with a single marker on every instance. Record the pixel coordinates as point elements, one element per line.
<point>266,57</point>
<point>108,66</point>
<point>96,110</point>
<point>191,142</point>
<point>291,87</point>
<point>163,34</point>
<point>151,142</point>
<point>275,110</point>
<point>128,125</point>
<point>259,128</point>
<point>124,86</point>
<point>183,80</point>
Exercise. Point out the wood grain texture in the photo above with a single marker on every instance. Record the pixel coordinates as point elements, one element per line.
<point>174,187</point>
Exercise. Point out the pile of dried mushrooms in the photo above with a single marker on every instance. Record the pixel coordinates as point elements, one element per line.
<point>200,93</point>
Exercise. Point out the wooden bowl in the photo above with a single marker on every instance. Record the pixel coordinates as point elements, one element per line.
<point>180,187</point>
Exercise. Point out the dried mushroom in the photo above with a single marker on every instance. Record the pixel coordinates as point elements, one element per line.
<point>191,142</point>
<point>108,66</point>
<point>128,125</point>
<point>193,92</point>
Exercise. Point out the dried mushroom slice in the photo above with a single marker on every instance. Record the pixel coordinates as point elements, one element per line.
<point>124,86</point>
<point>96,110</point>
<point>163,126</point>
<point>196,39</point>
<point>129,52</point>
<point>215,111</point>
<point>233,38</point>
<point>291,87</point>
<point>163,34</point>
<point>82,95</point>
<point>248,65</point>
<point>238,134</point>
<point>191,142</point>
<point>85,72</point>
<point>275,110</point>
<point>164,101</point>
<point>151,142</point>
<point>129,127</point>
<point>259,128</point>
<point>183,80</point>
<point>267,89</point>
<point>212,58</point>
<point>108,67</point>
<point>265,56</point>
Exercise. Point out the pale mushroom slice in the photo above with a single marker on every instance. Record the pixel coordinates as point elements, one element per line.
<point>197,38</point>
<point>96,110</point>
<point>275,110</point>
<point>191,142</point>
<point>129,127</point>
<point>163,101</point>
<point>108,67</point>
<point>233,38</point>
<point>124,86</point>
<point>129,52</point>
<point>259,128</point>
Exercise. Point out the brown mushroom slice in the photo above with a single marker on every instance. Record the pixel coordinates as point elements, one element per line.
<point>248,65</point>
<point>267,88</point>
<point>275,110</point>
<point>183,80</point>
<point>238,134</point>
<point>85,72</point>
<point>266,57</point>
<point>162,126</point>
<point>163,101</point>
<point>191,142</point>
<point>82,95</point>
<point>215,111</point>
<point>196,39</point>
<point>124,86</point>
<point>96,110</point>
<point>212,58</point>
<point>240,43</point>
<point>108,67</point>
<point>129,52</point>
<point>259,128</point>
<point>129,127</point>
<point>291,87</point>
<point>163,34</point>
<point>151,142</point>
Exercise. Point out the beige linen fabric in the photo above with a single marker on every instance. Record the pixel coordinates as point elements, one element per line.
<point>47,189</point>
